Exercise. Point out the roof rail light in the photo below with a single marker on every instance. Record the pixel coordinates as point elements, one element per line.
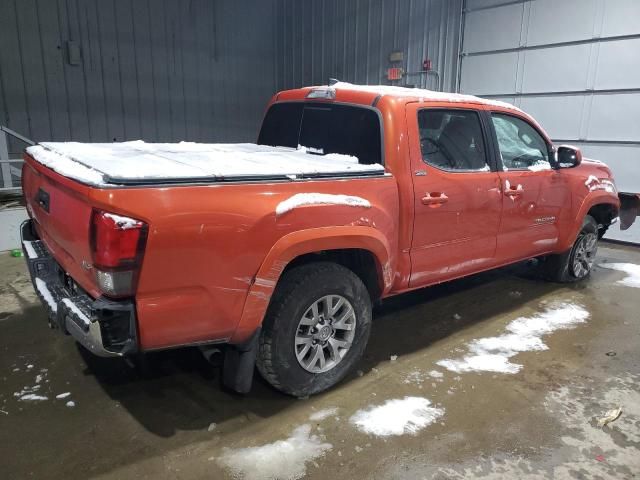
<point>326,93</point>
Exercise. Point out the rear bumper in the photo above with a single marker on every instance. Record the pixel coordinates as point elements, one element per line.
<point>105,327</point>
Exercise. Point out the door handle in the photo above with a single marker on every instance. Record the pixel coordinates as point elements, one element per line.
<point>434,198</point>
<point>511,191</point>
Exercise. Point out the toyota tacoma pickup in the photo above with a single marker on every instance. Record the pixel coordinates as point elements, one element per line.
<point>279,249</point>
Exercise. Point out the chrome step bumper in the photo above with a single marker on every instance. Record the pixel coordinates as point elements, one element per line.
<point>106,328</point>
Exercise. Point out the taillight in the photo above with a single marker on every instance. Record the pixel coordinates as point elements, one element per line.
<point>117,246</point>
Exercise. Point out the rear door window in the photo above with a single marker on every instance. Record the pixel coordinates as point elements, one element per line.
<point>325,128</point>
<point>452,140</point>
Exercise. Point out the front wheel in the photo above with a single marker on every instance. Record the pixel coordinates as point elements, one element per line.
<point>316,329</point>
<point>576,263</point>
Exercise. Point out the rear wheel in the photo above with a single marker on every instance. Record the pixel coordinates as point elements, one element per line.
<point>576,263</point>
<point>316,329</point>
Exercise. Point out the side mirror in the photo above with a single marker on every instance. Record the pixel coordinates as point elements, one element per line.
<point>568,156</point>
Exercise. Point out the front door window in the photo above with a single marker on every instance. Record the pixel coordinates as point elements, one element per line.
<point>521,146</point>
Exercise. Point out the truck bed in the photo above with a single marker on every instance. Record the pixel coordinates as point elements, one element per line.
<point>139,163</point>
<point>206,240</point>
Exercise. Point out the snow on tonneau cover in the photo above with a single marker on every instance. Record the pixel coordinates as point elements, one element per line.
<point>111,164</point>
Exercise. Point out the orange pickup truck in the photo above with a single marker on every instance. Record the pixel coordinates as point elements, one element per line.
<point>279,249</point>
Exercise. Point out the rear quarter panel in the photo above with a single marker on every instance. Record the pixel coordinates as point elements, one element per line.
<point>207,243</point>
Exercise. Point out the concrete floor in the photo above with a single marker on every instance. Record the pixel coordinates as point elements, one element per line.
<point>537,423</point>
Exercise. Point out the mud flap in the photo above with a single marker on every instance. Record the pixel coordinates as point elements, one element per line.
<point>239,364</point>
<point>629,209</point>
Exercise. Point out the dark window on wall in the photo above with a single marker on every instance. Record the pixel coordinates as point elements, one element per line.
<point>452,140</point>
<point>327,128</point>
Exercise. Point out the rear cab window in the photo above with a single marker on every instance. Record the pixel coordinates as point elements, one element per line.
<point>325,128</point>
<point>452,140</point>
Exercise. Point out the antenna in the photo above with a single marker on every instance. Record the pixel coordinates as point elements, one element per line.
<point>333,81</point>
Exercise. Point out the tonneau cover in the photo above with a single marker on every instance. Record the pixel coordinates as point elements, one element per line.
<point>138,162</point>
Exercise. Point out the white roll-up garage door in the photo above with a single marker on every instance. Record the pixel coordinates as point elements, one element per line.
<point>572,64</point>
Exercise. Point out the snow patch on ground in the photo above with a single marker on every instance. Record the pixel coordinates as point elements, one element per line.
<point>63,395</point>
<point>25,390</point>
<point>32,397</point>
<point>323,414</point>
<point>492,354</point>
<point>283,459</point>
<point>396,417</point>
<point>303,199</point>
<point>33,392</point>
<point>631,269</point>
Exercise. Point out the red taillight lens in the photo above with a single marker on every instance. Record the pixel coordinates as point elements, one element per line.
<point>117,245</point>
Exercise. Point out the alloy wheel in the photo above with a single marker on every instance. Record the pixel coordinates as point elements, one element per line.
<point>584,255</point>
<point>325,333</point>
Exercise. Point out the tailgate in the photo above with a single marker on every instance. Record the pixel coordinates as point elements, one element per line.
<point>61,211</point>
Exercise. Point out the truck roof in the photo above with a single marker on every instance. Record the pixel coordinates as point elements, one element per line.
<point>409,94</point>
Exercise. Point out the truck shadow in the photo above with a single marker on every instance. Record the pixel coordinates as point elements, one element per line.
<point>182,391</point>
<point>413,321</point>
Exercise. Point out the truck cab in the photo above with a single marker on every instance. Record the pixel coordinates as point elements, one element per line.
<point>484,172</point>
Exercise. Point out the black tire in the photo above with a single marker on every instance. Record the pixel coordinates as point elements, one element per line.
<point>300,288</point>
<point>561,267</point>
